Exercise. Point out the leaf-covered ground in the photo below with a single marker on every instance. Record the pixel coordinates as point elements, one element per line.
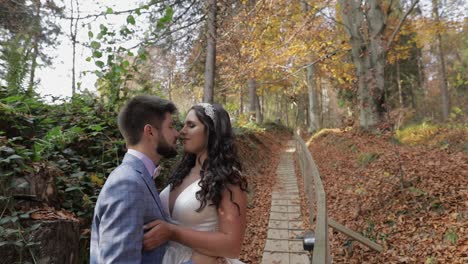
<point>260,155</point>
<point>413,200</point>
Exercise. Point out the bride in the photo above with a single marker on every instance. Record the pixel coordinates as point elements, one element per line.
<point>206,196</point>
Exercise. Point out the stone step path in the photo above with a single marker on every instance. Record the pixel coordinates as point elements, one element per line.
<point>285,227</point>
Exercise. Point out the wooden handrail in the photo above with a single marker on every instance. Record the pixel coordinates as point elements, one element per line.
<point>322,246</point>
<point>309,171</point>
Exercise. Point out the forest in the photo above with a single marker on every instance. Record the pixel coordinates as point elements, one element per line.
<point>377,88</point>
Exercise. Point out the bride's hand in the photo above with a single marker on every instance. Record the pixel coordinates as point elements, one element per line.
<point>160,233</point>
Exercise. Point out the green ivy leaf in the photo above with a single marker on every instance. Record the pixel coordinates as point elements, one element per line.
<point>74,188</point>
<point>110,58</point>
<point>130,20</point>
<point>103,29</point>
<point>96,127</point>
<point>97,54</point>
<point>23,185</point>
<point>24,216</point>
<point>19,244</point>
<point>90,34</point>
<point>34,227</point>
<point>76,129</point>
<point>54,132</point>
<point>109,10</point>
<point>78,174</point>
<point>98,73</point>
<point>15,157</point>
<point>124,31</point>
<point>118,69</point>
<point>166,18</point>
<point>99,63</point>
<point>5,219</point>
<point>95,45</point>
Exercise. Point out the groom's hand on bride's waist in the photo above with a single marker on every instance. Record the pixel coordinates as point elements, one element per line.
<point>157,233</point>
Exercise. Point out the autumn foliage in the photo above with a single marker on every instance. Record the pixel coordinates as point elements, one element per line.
<point>410,199</point>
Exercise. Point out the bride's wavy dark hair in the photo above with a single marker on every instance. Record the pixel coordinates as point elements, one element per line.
<point>222,166</point>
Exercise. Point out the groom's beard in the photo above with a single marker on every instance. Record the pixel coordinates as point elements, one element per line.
<point>164,149</point>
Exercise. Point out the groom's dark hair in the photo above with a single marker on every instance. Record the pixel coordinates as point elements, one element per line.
<point>140,111</point>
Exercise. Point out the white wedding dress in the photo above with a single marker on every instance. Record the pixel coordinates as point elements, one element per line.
<point>184,214</point>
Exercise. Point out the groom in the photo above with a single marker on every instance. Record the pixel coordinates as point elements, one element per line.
<point>129,198</point>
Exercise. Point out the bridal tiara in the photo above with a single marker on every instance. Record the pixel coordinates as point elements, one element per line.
<point>209,110</point>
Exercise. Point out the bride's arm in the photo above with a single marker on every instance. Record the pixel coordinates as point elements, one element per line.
<point>226,242</point>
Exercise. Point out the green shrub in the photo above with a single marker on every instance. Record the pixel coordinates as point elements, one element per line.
<point>416,134</point>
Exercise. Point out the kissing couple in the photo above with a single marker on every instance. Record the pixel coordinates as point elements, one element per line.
<point>200,217</point>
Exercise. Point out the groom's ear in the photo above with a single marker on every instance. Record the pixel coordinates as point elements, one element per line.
<point>149,130</point>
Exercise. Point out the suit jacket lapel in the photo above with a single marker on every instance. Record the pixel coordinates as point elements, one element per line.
<point>140,167</point>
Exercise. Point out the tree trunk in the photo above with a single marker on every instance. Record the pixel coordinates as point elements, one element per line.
<point>413,97</point>
<point>169,85</point>
<point>224,97</point>
<point>398,79</point>
<point>314,122</point>
<point>376,24</point>
<point>73,33</point>
<point>210,65</point>
<point>421,75</point>
<point>320,111</point>
<point>313,100</point>
<point>32,74</point>
<point>35,53</point>
<point>253,98</point>
<point>444,94</point>
<point>277,108</point>
<point>368,57</point>
<point>302,104</point>
<point>241,99</point>
<point>262,105</point>
<point>258,110</point>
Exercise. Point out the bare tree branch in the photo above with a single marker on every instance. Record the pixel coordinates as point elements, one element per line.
<point>115,12</point>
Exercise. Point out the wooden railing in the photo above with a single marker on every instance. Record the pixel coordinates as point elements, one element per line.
<point>311,177</point>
